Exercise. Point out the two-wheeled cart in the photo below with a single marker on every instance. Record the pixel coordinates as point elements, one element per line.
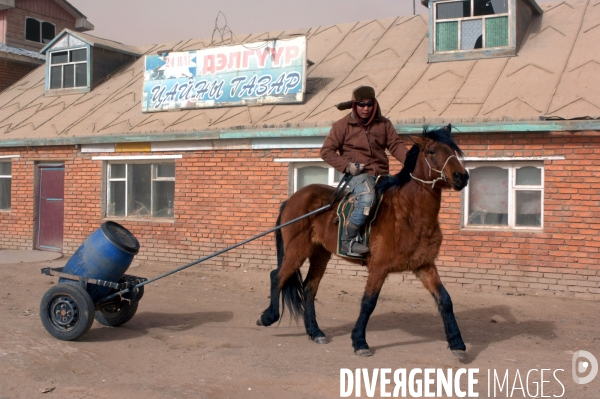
<point>93,284</point>
<point>90,277</point>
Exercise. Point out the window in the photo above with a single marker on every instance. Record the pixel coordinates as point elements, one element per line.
<point>505,196</point>
<point>470,24</point>
<point>5,183</point>
<point>140,190</point>
<point>68,69</point>
<point>39,31</point>
<point>306,173</point>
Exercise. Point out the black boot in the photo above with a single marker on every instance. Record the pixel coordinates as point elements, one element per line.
<point>350,243</point>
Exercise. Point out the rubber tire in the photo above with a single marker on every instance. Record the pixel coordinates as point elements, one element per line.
<point>140,294</point>
<point>79,306</point>
<point>108,316</point>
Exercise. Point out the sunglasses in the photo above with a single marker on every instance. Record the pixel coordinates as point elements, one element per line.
<point>363,104</point>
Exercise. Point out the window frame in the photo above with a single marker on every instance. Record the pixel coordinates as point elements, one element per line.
<point>513,189</point>
<point>298,164</point>
<point>41,22</point>
<point>153,177</point>
<point>508,14</point>
<point>74,63</point>
<point>9,177</point>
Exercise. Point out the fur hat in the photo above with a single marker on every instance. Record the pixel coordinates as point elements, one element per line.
<point>360,93</point>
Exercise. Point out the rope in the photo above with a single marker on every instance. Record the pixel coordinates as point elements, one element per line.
<point>441,172</point>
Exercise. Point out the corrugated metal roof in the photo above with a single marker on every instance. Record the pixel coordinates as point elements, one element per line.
<point>20,51</point>
<point>556,76</point>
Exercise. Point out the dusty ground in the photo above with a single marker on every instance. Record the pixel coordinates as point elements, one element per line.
<point>195,336</point>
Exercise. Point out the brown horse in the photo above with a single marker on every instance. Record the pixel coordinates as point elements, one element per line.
<point>405,237</point>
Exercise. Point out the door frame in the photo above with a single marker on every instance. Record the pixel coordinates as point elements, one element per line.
<point>36,219</point>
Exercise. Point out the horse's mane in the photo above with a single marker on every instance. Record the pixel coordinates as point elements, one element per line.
<point>441,135</point>
<point>403,176</point>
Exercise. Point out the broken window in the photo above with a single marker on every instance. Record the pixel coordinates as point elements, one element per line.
<point>470,24</point>
<point>39,31</point>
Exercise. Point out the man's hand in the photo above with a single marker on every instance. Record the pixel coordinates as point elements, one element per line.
<point>355,168</point>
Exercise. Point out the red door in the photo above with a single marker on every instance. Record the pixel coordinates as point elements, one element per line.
<point>51,181</point>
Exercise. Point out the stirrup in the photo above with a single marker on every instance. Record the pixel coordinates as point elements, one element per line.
<point>359,253</point>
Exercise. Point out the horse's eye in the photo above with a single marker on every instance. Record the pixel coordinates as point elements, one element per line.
<point>431,152</point>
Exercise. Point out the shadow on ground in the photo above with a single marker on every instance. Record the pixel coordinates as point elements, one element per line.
<point>480,328</point>
<point>143,321</point>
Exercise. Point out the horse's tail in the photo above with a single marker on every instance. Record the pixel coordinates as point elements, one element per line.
<point>292,292</point>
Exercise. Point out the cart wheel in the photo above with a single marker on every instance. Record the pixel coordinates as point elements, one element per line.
<point>114,315</point>
<point>67,311</point>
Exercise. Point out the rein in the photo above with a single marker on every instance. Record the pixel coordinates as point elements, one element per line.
<point>441,172</point>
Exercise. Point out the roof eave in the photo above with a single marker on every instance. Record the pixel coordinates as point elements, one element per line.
<point>83,25</point>
<point>532,3</point>
<point>68,7</point>
<point>535,6</point>
<point>404,129</point>
<point>5,55</point>
<point>93,44</point>
<point>6,4</point>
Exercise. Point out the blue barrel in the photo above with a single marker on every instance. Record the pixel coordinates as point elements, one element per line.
<point>104,255</point>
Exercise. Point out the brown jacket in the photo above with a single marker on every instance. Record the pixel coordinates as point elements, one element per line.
<point>348,141</point>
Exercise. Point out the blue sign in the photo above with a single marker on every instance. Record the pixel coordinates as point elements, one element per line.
<point>250,74</point>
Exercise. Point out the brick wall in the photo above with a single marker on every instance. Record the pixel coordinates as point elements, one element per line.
<point>225,196</point>
<point>563,259</point>
<point>11,72</point>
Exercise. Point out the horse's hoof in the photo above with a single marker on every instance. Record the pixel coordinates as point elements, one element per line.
<point>460,354</point>
<point>363,352</point>
<point>321,340</point>
<point>259,323</point>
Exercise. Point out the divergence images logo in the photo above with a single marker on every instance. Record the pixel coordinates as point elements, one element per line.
<point>581,366</point>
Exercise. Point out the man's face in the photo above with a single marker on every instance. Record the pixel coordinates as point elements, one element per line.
<point>364,108</point>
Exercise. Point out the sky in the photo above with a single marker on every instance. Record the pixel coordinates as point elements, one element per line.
<point>141,22</point>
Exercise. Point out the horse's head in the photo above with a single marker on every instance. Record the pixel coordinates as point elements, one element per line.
<point>443,167</point>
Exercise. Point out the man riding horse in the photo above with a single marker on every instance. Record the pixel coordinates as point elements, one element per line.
<point>356,144</point>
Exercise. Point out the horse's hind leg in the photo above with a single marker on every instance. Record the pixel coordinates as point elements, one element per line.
<point>287,279</point>
<point>431,280</point>
<point>318,264</point>
<point>271,314</point>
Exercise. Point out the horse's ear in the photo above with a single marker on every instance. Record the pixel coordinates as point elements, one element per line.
<point>418,141</point>
<point>448,129</point>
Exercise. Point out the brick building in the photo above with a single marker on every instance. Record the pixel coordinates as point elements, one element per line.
<point>518,83</point>
<point>25,27</point>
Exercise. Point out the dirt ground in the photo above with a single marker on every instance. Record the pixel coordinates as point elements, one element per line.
<point>195,336</point>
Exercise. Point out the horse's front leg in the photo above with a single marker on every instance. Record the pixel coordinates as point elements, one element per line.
<point>431,280</point>
<point>367,306</point>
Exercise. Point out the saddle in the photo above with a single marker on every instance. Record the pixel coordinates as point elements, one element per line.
<point>344,210</point>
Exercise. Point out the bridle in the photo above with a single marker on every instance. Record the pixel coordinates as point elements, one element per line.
<point>441,172</point>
